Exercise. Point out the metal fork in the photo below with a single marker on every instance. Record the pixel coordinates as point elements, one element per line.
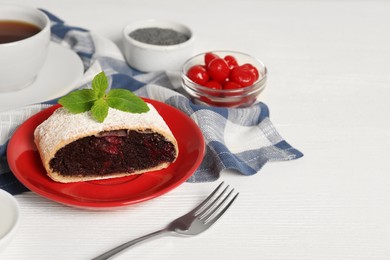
<point>193,223</point>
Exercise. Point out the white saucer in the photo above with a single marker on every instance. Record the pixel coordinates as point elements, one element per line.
<point>60,73</point>
<point>9,218</point>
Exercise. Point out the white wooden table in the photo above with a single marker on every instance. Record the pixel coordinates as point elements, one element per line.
<point>328,93</point>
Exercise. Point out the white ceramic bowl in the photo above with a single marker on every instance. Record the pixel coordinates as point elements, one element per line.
<point>150,57</point>
<point>9,218</point>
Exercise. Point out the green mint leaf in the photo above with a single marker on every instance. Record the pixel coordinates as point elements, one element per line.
<point>100,84</point>
<point>99,110</point>
<point>126,101</point>
<point>78,101</point>
<point>98,101</point>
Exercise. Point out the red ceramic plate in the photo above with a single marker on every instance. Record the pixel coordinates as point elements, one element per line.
<point>25,163</point>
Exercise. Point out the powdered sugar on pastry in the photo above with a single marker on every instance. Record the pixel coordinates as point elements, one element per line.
<point>63,127</point>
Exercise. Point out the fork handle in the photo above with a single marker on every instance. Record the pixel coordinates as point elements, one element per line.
<point>126,245</point>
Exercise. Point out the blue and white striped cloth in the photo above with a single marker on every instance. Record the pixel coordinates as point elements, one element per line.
<point>239,139</point>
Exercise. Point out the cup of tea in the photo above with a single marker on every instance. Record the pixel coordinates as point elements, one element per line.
<point>24,44</point>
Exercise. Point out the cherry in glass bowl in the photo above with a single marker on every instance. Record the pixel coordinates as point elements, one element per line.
<point>201,91</point>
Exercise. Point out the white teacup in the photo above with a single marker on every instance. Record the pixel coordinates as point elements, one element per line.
<point>21,60</point>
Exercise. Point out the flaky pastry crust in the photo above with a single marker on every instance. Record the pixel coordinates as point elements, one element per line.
<point>63,127</point>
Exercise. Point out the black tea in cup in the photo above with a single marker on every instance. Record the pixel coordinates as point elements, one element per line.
<point>12,31</point>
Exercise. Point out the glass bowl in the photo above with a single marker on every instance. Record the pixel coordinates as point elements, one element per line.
<point>240,97</point>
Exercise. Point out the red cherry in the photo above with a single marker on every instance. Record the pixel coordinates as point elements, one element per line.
<point>213,84</point>
<point>243,76</point>
<point>198,74</point>
<point>232,85</point>
<point>110,149</point>
<point>218,69</point>
<point>113,139</point>
<point>208,57</point>
<point>231,61</point>
<point>205,100</point>
<point>252,68</point>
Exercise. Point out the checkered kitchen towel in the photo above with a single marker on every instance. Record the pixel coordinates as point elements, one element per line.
<point>239,139</point>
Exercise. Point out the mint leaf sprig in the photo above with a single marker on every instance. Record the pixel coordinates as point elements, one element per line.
<point>97,100</point>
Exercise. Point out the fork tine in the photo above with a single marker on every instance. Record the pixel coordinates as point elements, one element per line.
<point>203,203</point>
<point>207,207</point>
<point>216,217</point>
<point>215,205</point>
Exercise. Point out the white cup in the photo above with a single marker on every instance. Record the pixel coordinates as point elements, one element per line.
<point>20,61</point>
<point>9,218</point>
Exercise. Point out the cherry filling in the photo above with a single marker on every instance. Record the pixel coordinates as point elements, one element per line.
<point>113,152</point>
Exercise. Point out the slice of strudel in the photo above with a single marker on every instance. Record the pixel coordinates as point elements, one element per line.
<point>74,147</point>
